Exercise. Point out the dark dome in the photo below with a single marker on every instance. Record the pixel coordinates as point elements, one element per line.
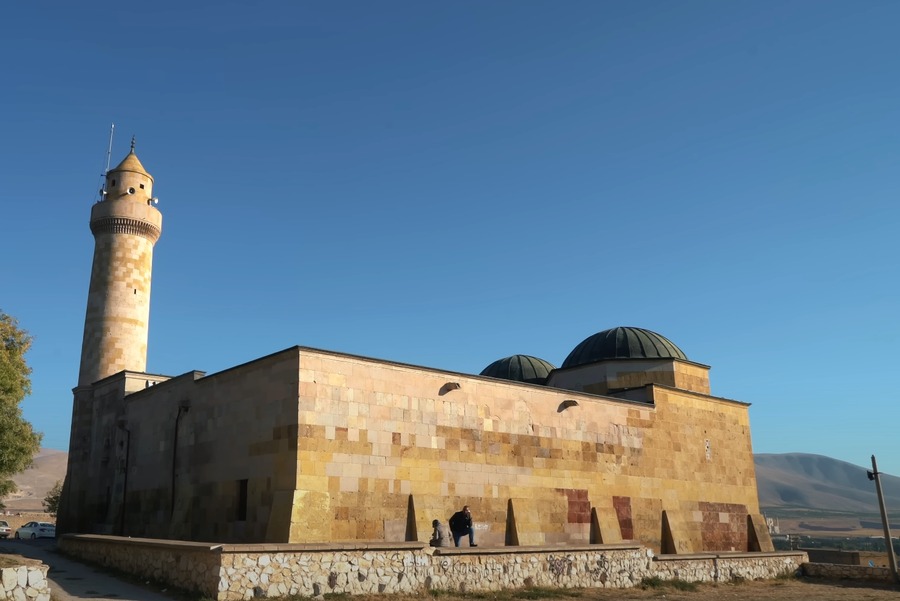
<point>623,343</point>
<point>519,368</point>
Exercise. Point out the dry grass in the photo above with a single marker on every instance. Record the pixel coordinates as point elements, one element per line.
<point>9,562</point>
<point>769,590</point>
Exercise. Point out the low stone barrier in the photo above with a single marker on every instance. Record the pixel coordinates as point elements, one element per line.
<point>396,570</point>
<point>833,556</point>
<point>186,565</point>
<point>729,567</point>
<point>237,572</point>
<point>27,582</point>
<point>834,571</point>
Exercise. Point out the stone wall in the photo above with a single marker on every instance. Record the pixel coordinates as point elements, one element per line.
<point>833,571</point>
<point>189,566</point>
<point>26,582</point>
<point>372,434</point>
<point>236,572</point>
<point>728,567</point>
<point>307,446</point>
<point>392,570</point>
<point>833,556</point>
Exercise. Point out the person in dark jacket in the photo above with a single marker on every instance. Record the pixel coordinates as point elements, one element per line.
<point>461,525</point>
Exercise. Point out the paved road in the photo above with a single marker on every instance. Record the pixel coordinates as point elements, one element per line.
<point>71,580</point>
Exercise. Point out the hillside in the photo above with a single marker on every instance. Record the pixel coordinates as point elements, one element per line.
<point>803,481</point>
<point>813,494</point>
<point>48,468</point>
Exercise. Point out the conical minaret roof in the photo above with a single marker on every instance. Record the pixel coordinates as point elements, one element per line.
<point>132,163</point>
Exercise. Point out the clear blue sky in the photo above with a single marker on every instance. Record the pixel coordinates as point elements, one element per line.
<point>448,183</point>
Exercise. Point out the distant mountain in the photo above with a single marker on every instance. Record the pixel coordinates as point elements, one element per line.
<point>811,486</point>
<point>48,468</point>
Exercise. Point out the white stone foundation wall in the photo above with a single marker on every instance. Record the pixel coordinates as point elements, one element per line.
<point>728,567</point>
<point>238,572</point>
<point>355,571</point>
<point>25,583</point>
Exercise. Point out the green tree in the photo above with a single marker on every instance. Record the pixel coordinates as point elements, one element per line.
<point>18,441</point>
<point>51,501</point>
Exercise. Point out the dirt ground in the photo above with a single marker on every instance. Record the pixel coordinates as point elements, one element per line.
<point>783,590</point>
<point>770,590</point>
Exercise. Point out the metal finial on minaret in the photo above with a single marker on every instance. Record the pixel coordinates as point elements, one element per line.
<point>132,143</point>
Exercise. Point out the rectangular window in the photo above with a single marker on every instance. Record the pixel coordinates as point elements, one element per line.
<point>242,501</point>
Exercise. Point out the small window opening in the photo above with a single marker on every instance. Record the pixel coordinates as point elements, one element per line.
<point>114,182</point>
<point>242,501</point>
<point>142,186</point>
<point>135,290</point>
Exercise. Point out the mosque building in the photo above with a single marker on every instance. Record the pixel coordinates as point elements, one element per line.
<point>623,441</point>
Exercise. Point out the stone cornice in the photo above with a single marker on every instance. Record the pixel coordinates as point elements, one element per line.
<point>125,225</point>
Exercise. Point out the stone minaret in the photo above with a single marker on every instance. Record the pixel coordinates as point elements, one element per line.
<point>126,225</point>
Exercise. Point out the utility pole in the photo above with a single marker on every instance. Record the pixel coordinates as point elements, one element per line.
<point>892,559</point>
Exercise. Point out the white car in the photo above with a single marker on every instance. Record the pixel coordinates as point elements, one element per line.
<point>5,530</point>
<point>37,530</point>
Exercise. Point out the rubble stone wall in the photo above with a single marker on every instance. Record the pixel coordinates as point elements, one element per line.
<point>239,572</point>
<point>25,583</point>
<point>728,567</point>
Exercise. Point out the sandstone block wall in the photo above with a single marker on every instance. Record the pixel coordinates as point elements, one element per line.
<point>601,378</point>
<point>116,324</point>
<point>215,458</point>
<point>308,446</point>
<point>384,431</point>
<point>94,496</point>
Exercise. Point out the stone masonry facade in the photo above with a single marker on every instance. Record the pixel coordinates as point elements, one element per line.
<point>126,225</point>
<point>119,301</point>
<point>309,446</point>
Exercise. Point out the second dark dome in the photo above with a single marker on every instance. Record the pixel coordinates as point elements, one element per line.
<point>519,368</point>
<point>623,343</point>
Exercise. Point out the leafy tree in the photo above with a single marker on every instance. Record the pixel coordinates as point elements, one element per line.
<point>51,501</point>
<point>18,441</point>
